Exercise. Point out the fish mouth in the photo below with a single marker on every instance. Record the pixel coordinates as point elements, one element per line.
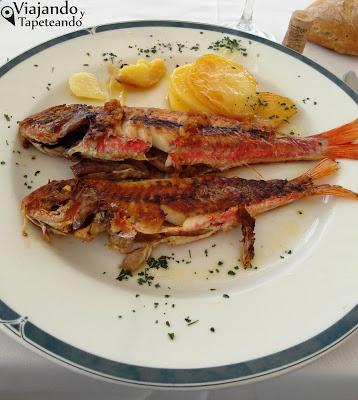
<point>65,143</point>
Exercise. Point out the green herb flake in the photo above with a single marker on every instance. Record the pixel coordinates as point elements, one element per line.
<point>230,272</point>
<point>226,296</point>
<point>2,162</point>
<point>167,323</point>
<point>7,117</point>
<point>212,329</point>
<point>171,335</point>
<point>230,44</point>
<point>123,275</point>
<point>192,322</point>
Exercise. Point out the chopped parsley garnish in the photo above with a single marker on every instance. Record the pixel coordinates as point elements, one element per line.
<point>167,323</point>
<point>230,272</point>
<point>109,57</point>
<point>7,117</point>
<point>161,262</point>
<point>192,322</point>
<point>123,275</point>
<point>37,172</point>
<point>2,162</point>
<point>226,296</point>
<point>212,329</point>
<point>171,335</point>
<point>300,212</point>
<point>137,295</point>
<point>230,44</point>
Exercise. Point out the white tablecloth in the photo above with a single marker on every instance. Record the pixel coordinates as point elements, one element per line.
<point>25,375</point>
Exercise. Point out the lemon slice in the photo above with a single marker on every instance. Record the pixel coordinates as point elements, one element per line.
<point>85,84</point>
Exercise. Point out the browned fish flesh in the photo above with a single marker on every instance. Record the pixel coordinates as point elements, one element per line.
<point>140,215</point>
<point>114,133</point>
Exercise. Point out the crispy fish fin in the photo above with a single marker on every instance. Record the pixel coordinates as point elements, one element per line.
<point>248,241</point>
<point>137,258</point>
<point>334,190</point>
<point>342,135</point>
<point>324,168</point>
<point>340,141</point>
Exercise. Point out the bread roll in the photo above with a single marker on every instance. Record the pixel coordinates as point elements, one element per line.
<point>335,25</point>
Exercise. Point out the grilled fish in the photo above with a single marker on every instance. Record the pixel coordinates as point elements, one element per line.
<point>114,133</point>
<point>140,215</point>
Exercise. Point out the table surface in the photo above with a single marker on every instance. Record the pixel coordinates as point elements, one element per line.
<point>26,375</point>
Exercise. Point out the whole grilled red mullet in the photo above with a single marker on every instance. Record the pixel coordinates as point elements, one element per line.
<point>170,139</point>
<point>137,216</point>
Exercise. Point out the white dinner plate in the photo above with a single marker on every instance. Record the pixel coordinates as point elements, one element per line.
<point>63,300</point>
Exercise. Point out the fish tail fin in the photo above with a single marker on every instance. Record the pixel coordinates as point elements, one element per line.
<point>342,135</point>
<point>324,168</point>
<point>334,190</point>
<point>342,151</point>
<point>340,141</point>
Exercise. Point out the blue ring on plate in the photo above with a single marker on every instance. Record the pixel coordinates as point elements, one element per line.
<point>164,377</point>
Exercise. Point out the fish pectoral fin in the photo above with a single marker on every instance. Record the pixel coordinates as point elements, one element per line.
<point>248,233</point>
<point>137,258</point>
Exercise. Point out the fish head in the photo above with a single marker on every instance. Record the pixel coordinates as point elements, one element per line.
<point>57,128</point>
<point>52,206</point>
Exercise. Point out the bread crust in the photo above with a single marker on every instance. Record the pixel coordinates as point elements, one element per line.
<point>335,25</point>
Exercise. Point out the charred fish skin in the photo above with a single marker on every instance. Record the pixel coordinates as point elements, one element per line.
<point>116,133</point>
<point>140,215</point>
